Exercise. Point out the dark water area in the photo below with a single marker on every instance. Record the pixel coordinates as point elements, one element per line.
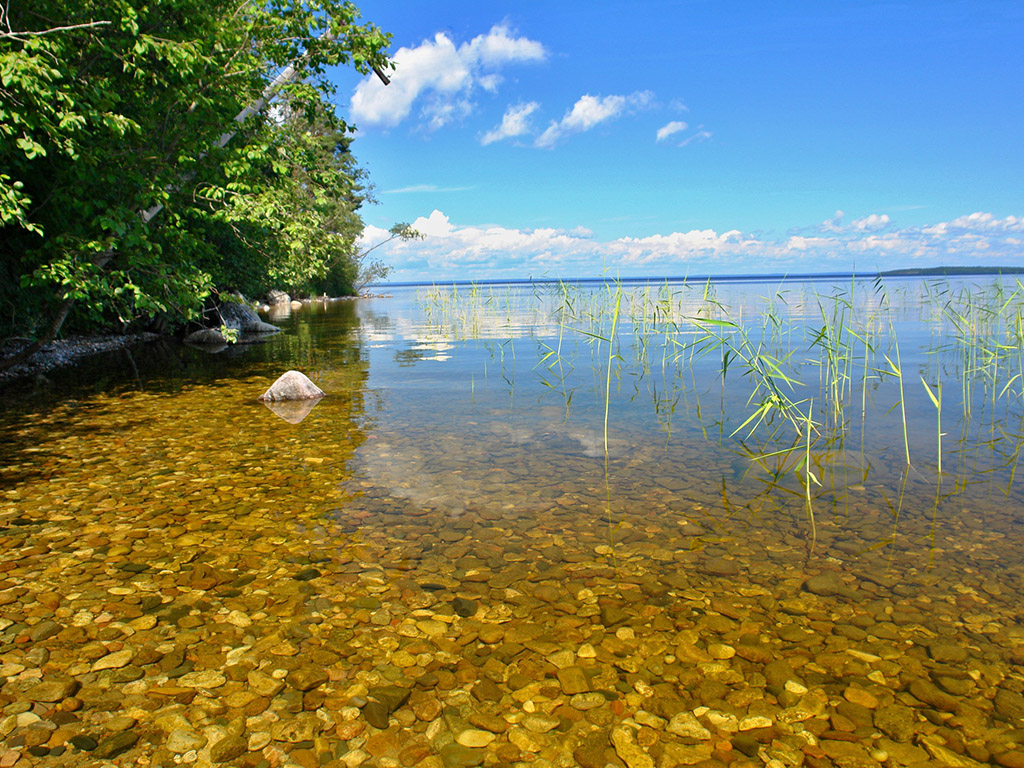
<point>548,525</point>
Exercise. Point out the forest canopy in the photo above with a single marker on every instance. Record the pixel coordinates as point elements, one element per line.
<point>128,188</point>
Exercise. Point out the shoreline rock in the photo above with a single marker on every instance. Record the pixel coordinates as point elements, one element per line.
<point>243,318</point>
<point>63,353</point>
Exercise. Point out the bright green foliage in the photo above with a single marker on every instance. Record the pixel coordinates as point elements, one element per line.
<point>109,107</point>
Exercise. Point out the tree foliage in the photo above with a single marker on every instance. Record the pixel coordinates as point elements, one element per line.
<point>111,107</point>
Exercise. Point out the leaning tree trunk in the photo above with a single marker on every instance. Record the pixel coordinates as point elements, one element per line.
<point>54,326</point>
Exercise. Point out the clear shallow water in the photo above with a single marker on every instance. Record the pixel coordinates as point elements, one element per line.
<point>449,521</point>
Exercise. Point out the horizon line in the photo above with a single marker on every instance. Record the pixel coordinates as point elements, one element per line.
<point>748,277</point>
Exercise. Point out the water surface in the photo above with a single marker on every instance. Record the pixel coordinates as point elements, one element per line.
<point>510,537</point>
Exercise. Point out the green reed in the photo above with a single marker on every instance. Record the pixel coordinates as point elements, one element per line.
<point>799,391</point>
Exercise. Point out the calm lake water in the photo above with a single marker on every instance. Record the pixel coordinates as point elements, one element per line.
<point>586,524</point>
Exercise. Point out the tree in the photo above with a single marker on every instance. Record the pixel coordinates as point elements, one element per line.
<point>112,107</point>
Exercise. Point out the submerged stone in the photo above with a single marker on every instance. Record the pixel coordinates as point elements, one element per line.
<point>116,744</point>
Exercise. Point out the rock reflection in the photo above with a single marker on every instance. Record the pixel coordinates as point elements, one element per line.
<point>292,411</point>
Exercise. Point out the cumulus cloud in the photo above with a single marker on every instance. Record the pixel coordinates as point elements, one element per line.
<point>871,223</point>
<point>667,130</point>
<point>442,76</point>
<point>515,122</point>
<point>589,111</point>
<point>835,224</point>
<point>453,251</point>
<point>986,222</point>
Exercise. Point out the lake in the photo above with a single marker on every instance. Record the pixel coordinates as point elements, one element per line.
<point>552,524</point>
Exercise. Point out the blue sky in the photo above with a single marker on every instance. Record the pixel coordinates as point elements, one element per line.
<point>672,138</point>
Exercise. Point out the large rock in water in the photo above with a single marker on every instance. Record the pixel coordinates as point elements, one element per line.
<point>292,385</point>
<point>277,297</point>
<point>207,337</point>
<point>243,318</point>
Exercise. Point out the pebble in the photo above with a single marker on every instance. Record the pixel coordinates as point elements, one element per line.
<point>302,727</point>
<point>115,660</point>
<point>753,722</point>
<point>307,677</point>
<point>573,680</point>
<point>860,696</point>
<point>376,714</point>
<point>431,627</point>
<point>180,741</point>
<point>1010,759</point>
<point>258,740</point>
<point>263,684</point>
<point>52,691</point>
<point>491,634</point>
<point>685,724</point>
<point>205,679</point>
<point>84,743</point>
<point>464,607</point>
<point>120,723</point>
<point>539,723</point>
<point>488,722</point>
<point>227,749</point>
<point>587,701</point>
<point>461,756</point>
<point>721,651</point>
<point>475,738</point>
<point>827,584</point>
<point>238,619</point>
<point>114,745</point>
<point>629,751</point>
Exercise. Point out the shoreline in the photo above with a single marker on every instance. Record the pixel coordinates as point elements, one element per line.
<point>64,353</point>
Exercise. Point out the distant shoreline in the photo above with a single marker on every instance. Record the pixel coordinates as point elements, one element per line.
<point>915,272</point>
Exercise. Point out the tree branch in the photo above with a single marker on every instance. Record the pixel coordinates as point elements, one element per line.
<point>11,35</point>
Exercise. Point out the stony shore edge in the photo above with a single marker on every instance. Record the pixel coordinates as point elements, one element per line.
<point>65,352</point>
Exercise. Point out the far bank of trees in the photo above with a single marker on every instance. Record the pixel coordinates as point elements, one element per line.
<point>127,188</point>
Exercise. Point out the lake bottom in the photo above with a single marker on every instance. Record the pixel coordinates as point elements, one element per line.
<point>203,619</point>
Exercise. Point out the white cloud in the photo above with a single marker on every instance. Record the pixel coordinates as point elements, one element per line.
<point>490,83</point>
<point>589,111</point>
<point>515,122</point>
<point>697,137</point>
<point>667,130</point>
<point>498,47</point>
<point>871,223</point>
<point>453,251</point>
<point>442,75</point>
<point>835,224</point>
<point>436,225</point>
<point>414,188</point>
<point>986,222</point>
